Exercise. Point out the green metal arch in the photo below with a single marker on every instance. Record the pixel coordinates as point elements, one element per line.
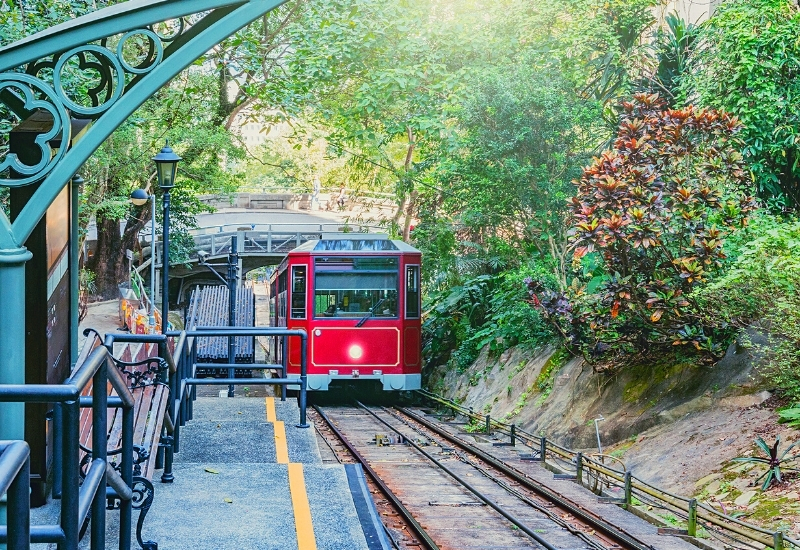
<point>223,19</point>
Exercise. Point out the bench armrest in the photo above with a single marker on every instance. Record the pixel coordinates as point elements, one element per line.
<point>142,373</point>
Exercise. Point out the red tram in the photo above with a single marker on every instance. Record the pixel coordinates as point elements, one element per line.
<point>359,301</point>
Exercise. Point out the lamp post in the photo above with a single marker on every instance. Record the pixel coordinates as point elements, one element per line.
<point>166,167</point>
<point>139,197</point>
<point>231,282</point>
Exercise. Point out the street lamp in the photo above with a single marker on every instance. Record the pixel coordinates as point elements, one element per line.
<point>166,167</point>
<point>231,282</point>
<point>139,197</point>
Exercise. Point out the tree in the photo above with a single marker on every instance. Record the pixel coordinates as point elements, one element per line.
<point>501,183</point>
<point>748,63</point>
<point>181,112</point>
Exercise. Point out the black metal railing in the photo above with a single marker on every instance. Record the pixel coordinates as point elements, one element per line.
<point>584,468</point>
<point>183,380</point>
<point>78,498</point>
<point>15,471</point>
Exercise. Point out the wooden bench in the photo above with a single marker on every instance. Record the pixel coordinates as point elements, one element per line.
<point>151,397</point>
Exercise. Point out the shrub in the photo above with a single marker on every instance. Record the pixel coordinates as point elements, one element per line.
<point>483,311</point>
<point>648,226</point>
<point>761,288</point>
<point>774,460</point>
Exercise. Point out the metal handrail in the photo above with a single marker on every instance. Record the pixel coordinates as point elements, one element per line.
<point>182,362</point>
<point>76,499</point>
<point>695,511</point>
<point>14,475</point>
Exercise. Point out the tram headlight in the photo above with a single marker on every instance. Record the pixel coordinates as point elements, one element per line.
<point>355,351</point>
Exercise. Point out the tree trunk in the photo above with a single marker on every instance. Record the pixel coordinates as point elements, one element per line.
<point>410,212</point>
<point>109,263</point>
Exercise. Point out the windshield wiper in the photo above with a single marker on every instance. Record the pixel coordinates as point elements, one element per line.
<point>370,313</point>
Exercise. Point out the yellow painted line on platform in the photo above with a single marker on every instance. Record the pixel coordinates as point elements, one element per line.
<point>302,510</point>
<point>297,484</point>
<point>281,450</point>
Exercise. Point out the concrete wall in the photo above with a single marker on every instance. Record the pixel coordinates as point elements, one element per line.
<point>260,201</point>
<point>692,11</point>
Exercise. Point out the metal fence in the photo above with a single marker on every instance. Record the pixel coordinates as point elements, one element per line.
<point>181,358</point>
<point>80,498</point>
<point>15,471</point>
<point>696,519</point>
<point>77,498</point>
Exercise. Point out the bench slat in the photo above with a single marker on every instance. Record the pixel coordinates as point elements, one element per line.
<point>148,413</point>
<point>153,433</point>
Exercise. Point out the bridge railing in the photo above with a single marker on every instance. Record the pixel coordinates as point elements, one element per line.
<point>266,239</point>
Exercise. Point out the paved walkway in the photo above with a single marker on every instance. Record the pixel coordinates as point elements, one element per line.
<point>247,478</point>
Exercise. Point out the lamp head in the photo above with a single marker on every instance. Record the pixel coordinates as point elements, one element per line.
<point>139,197</point>
<point>166,167</point>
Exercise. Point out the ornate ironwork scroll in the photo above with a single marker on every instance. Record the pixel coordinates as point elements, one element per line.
<point>83,82</point>
<point>81,70</point>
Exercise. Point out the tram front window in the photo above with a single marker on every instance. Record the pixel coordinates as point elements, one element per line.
<point>354,287</point>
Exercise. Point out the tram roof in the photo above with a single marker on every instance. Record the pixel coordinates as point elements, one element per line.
<point>355,244</point>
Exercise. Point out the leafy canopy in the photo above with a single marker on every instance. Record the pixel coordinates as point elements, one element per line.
<point>748,63</point>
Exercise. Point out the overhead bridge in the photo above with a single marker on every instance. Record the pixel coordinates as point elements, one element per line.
<point>258,245</point>
<point>266,244</point>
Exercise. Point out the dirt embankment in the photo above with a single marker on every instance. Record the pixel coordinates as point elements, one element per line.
<point>674,424</point>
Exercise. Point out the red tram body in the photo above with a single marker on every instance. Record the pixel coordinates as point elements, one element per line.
<point>358,299</point>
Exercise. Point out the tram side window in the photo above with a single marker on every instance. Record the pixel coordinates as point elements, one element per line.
<point>281,296</point>
<point>299,292</point>
<point>412,292</point>
<point>355,287</point>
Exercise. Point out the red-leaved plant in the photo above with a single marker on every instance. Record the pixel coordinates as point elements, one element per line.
<point>651,216</point>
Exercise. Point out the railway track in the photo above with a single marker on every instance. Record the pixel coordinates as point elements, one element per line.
<point>437,490</point>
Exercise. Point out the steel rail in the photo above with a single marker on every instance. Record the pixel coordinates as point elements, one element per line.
<point>705,513</point>
<point>598,523</point>
<point>499,509</point>
<point>419,531</point>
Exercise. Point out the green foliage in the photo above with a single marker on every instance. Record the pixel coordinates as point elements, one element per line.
<point>21,19</point>
<point>672,48</point>
<point>544,382</point>
<point>761,287</point>
<point>482,311</point>
<point>773,458</point>
<point>652,214</point>
<point>500,183</point>
<point>790,416</point>
<point>123,163</point>
<point>598,43</point>
<point>748,64</point>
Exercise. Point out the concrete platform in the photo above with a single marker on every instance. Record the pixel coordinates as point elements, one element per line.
<point>247,478</point>
<point>233,487</point>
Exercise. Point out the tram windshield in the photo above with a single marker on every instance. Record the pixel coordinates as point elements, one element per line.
<point>354,287</point>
